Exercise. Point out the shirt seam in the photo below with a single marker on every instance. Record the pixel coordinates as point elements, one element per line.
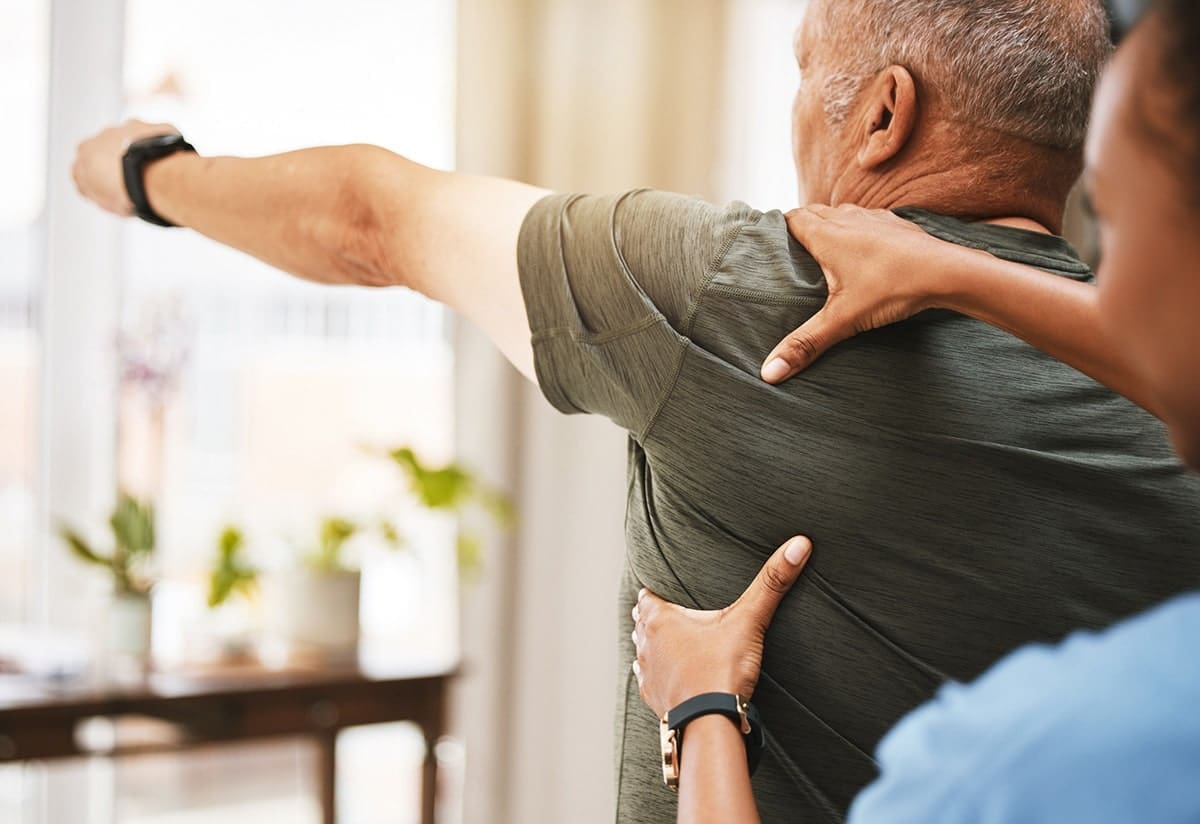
<point>1061,262</point>
<point>713,267</point>
<point>556,332</point>
<point>1047,262</point>
<point>595,339</point>
<point>767,298</point>
<point>685,335</point>
<point>815,793</point>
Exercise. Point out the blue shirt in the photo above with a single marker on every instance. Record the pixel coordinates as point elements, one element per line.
<point>1101,728</point>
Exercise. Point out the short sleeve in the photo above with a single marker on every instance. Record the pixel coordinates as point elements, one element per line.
<point>609,284</point>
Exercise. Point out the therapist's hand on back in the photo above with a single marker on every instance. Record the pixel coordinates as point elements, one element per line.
<point>880,268</point>
<point>682,653</point>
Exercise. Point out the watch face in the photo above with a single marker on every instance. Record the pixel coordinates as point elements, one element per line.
<point>158,141</point>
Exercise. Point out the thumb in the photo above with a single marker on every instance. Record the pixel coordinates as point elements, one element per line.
<point>774,580</point>
<point>802,347</point>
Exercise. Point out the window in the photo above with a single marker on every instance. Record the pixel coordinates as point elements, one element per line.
<point>24,62</point>
<point>281,383</point>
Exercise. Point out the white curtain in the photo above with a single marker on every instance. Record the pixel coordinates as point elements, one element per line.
<point>580,96</point>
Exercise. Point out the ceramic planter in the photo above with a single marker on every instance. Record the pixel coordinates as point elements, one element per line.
<point>315,612</point>
<point>129,625</point>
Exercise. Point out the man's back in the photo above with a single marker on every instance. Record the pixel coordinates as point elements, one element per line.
<point>965,493</point>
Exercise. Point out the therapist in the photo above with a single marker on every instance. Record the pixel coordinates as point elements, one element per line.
<point>1103,728</point>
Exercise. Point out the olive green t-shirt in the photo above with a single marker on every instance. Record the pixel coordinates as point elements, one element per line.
<point>965,492</point>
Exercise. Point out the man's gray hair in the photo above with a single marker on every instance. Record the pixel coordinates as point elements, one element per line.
<point>1025,68</point>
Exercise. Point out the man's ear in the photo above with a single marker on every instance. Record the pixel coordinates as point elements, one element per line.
<point>889,118</point>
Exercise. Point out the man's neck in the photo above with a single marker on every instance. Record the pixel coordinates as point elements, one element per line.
<point>987,178</point>
<point>971,194</point>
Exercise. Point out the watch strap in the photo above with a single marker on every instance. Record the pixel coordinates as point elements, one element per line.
<point>133,163</point>
<point>733,707</point>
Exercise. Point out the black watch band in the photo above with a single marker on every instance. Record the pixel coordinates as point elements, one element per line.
<point>137,156</point>
<point>733,707</point>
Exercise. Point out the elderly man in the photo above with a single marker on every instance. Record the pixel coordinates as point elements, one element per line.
<point>956,482</point>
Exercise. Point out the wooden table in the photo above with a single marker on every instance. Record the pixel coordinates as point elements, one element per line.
<point>39,721</point>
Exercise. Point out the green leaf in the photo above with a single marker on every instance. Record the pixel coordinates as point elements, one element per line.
<point>334,534</point>
<point>499,506</point>
<point>452,489</point>
<point>224,582</point>
<point>132,524</point>
<point>81,549</point>
<point>229,544</point>
<point>230,573</point>
<point>391,534</point>
<point>220,587</point>
<point>444,489</point>
<point>470,555</point>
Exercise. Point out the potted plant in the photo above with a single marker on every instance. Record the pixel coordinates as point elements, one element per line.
<point>230,574</point>
<point>315,605</point>
<point>232,587</point>
<point>132,527</point>
<point>456,491</point>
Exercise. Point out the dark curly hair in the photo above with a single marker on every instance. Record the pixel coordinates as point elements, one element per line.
<point>1177,74</point>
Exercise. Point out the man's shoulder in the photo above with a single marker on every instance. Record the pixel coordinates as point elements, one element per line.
<point>610,284</point>
<point>671,246</point>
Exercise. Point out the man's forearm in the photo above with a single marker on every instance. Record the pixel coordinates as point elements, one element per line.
<point>308,212</point>
<point>342,214</point>
<point>345,214</point>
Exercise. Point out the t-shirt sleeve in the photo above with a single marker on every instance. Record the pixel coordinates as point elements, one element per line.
<point>609,284</point>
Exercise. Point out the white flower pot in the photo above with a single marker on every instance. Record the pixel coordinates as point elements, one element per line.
<point>314,613</point>
<point>129,626</point>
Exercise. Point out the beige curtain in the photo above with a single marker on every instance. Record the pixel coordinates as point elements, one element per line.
<point>581,96</point>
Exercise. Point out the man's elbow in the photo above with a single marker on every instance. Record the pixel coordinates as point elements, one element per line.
<point>361,235</point>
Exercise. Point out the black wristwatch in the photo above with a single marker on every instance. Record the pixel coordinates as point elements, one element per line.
<point>734,707</point>
<point>139,153</point>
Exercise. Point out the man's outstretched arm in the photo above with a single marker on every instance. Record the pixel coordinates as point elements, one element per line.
<point>343,215</point>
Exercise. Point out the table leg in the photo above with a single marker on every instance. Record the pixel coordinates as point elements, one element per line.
<point>429,778</point>
<point>327,776</point>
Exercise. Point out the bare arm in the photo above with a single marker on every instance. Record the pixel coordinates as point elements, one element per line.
<point>344,215</point>
<point>714,782</point>
<point>882,269</point>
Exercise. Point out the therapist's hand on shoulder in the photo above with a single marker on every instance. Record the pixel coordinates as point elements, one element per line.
<point>682,653</point>
<point>880,269</point>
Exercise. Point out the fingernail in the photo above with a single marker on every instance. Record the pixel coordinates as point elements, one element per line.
<point>776,370</point>
<point>797,550</point>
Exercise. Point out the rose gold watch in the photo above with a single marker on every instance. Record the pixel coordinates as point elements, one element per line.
<point>733,707</point>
